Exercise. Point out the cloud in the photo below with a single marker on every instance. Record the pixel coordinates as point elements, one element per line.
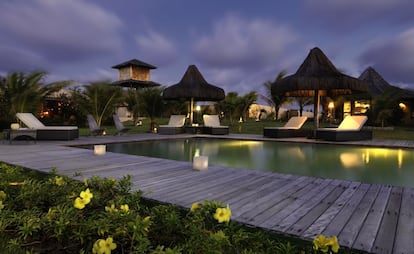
<point>351,14</point>
<point>236,42</point>
<point>16,59</point>
<point>393,57</point>
<point>59,30</point>
<point>156,48</point>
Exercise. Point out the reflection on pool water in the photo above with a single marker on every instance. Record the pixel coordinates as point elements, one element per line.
<point>364,164</point>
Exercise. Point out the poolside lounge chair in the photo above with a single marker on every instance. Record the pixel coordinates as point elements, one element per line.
<point>291,129</point>
<point>212,125</point>
<point>175,125</point>
<point>350,129</point>
<point>48,132</point>
<point>94,129</point>
<point>120,128</point>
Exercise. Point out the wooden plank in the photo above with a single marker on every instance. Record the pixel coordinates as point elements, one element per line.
<point>294,212</point>
<point>352,228</point>
<point>322,222</point>
<point>368,232</point>
<point>315,207</point>
<point>273,214</point>
<point>404,242</point>
<point>252,193</point>
<point>196,179</point>
<point>216,193</point>
<point>384,241</point>
<point>253,209</point>
<point>174,192</point>
<point>253,199</point>
<point>340,220</point>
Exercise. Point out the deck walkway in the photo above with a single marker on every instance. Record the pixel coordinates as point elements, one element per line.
<point>368,217</point>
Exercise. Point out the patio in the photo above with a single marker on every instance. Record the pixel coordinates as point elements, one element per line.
<point>368,217</point>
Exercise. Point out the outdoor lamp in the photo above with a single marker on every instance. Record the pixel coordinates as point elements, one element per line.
<point>200,163</point>
<point>14,126</point>
<point>99,149</point>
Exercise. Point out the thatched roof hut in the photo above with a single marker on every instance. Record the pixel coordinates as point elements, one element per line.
<point>193,86</point>
<point>316,77</point>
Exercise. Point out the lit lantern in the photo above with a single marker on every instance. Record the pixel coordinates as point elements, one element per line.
<point>14,126</point>
<point>200,163</point>
<point>99,149</point>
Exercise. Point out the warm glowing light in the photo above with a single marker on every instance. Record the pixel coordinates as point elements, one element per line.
<point>198,108</point>
<point>200,163</point>
<point>402,105</point>
<point>197,152</point>
<point>14,126</point>
<point>351,160</point>
<point>400,158</point>
<point>99,149</point>
<point>331,105</point>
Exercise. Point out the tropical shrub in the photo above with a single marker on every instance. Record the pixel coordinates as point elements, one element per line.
<point>49,213</point>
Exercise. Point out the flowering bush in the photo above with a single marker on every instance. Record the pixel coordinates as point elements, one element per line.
<point>48,213</point>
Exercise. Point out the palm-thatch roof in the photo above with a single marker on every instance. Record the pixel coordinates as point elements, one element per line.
<point>134,62</point>
<point>193,86</point>
<point>317,73</point>
<point>133,83</point>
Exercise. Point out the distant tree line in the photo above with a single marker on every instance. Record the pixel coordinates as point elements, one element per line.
<point>27,92</point>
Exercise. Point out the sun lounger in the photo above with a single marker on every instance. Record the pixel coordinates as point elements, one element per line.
<point>48,132</point>
<point>350,129</point>
<point>94,129</point>
<point>291,129</point>
<point>120,128</point>
<point>175,125</point>
<point>212,125</point>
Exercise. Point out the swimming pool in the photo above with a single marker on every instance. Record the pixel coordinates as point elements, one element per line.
<point>364,164</point>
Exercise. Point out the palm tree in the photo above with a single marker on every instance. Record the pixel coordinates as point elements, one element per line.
<point>21,92</point>
<point>150,104</point>
<point>245,102</point>
<point>99,99</point>
<point>229,105</point>
<point>302,102</point>
<point>274,100</point>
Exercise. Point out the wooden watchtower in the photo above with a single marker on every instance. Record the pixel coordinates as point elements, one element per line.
<point>134,74</point>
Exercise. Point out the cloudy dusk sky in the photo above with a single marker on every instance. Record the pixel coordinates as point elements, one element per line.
<point>236,44</point>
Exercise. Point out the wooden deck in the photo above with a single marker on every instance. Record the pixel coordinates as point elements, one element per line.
<point>368,217</point>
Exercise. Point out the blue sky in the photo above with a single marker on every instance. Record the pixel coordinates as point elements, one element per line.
<point>236,44</point>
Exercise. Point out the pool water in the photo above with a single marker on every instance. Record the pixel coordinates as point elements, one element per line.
<point>364,164</point>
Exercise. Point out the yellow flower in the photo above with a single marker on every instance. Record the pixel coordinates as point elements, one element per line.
<point>194,206</point>
<point>59,181</point>
<point>80,203</point>
<point>87,195</point>
<point>323,243</point>
<point>102,246</point>
<point>85,181</point>
<point>125,208</point>
<point>333,242</point>
<point>3,195</point>
<point>1,205</point>
<point>111,209</point>
<point>223,214</point>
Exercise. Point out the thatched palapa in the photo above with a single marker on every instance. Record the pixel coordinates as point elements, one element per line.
<point>316,77</point>
<point>193,87</point>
